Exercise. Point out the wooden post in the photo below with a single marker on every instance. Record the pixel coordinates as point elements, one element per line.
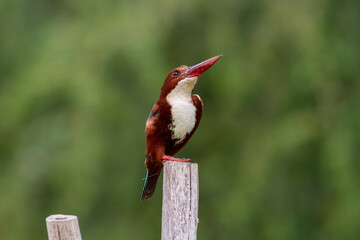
<point>63,227</point>
<point>180,201</point>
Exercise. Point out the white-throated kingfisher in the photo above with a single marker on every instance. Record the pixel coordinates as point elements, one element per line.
<point>173,120</point>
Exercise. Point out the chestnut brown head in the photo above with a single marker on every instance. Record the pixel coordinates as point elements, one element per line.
<point>185,78</point>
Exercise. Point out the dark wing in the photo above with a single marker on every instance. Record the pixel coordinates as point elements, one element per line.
<point>153,134</point>
<point>150,123</point>
<point>154,112</point>
<point>153,152</point>
<point>199,110</point>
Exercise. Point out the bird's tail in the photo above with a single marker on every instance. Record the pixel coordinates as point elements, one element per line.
<point>149,185</point>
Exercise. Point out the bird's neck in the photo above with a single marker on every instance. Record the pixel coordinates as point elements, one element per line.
<point>182,91</point>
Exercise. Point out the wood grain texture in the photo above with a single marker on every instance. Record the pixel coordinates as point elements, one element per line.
<point>180,201</point>
<point>63,227</point>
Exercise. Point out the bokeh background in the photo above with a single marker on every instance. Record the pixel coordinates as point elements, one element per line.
<point>278,146</point>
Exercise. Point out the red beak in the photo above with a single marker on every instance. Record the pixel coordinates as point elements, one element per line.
<point>200,68</point>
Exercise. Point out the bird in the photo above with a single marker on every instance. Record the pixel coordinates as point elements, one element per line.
<point>173,120</point>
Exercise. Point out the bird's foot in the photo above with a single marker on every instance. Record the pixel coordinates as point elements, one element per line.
<point>169,158</point>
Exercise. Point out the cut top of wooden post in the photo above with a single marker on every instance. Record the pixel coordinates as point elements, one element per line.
<point>63,227</point>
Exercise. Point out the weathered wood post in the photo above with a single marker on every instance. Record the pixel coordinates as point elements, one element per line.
<point>180,201</point>
<point>63,227</point>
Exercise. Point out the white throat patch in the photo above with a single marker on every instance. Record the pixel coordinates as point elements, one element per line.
<point>183,112</point>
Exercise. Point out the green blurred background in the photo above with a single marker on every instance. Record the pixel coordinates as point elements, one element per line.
<point>278,146</point>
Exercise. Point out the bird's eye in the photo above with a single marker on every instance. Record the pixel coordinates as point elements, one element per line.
<point>175,73</point>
